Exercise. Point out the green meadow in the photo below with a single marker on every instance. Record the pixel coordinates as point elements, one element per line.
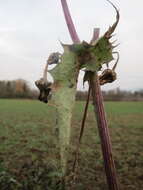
<point>28,141</point>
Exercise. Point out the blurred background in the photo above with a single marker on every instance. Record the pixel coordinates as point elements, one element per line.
<point>31,30</point>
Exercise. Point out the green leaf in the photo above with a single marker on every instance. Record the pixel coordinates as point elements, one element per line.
<point>92,57</point>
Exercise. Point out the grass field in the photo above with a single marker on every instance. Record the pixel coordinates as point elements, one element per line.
<point>27,134</point>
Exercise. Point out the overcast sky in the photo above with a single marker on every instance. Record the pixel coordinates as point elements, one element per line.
<point>31,29</point>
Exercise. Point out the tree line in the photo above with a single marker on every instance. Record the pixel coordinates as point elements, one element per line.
<point>20,88</point>
<point>116,95</point>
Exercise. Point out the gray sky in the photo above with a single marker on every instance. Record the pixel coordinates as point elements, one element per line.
<point>31,29</point>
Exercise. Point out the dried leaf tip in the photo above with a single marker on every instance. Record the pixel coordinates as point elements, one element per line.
<point>113,27</point>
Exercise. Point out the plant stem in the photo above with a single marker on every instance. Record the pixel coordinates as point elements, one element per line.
<point>69,22</point>
<point>98,107</point>
<point>81,130</point>
<point>104,133</point>
<point>64,92</point>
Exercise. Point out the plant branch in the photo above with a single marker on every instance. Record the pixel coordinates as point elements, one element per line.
<point>81,129</point>
<point>69,22</point>
<point>104,133</point>
<point>100,115</point>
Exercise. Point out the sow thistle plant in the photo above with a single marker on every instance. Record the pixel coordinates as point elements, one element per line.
<point>91,57</point>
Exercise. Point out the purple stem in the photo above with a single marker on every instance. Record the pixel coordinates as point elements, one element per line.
<point>69,22</point>
<point>103,126</point>
<point>95,36</point>
<point>104,133</point>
